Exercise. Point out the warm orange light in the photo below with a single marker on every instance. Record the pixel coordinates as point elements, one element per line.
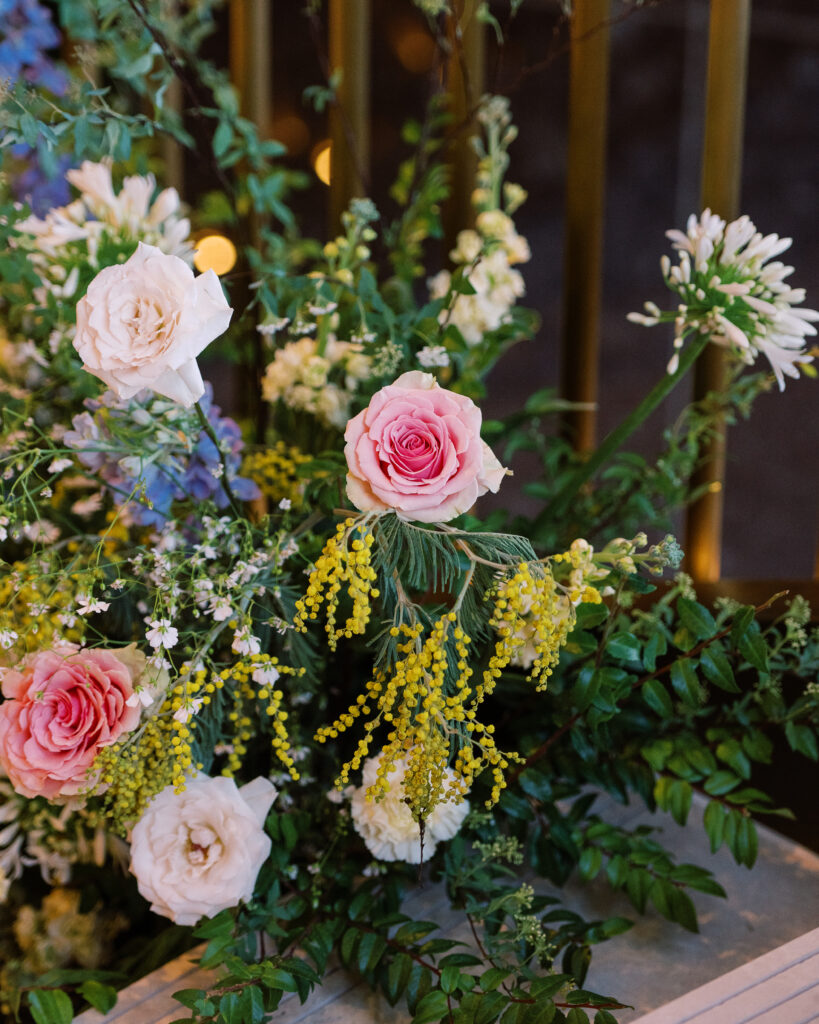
<point>415,48</point>
<point>216,253</point>
<point>292,132</point>
<point>321,159</point>
<point>715,487</point>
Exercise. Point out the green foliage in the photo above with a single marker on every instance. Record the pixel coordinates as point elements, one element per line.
<point>671,703</point>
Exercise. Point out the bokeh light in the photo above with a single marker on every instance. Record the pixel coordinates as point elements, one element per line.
<point>321,159</point>
<point>216,253</point>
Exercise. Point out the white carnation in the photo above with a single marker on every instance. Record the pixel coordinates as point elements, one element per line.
<point>387,826</point>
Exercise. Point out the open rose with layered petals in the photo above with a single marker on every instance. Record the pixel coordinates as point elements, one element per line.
<point>62,707</point>
<point>417,449</point>
<point>197,852</point>
<point>143,323</point>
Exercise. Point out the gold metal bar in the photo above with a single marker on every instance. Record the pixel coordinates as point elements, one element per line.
<point>251,68</point>
<point>172,155</point>
<point>585,199</point>
<point>349,32</point>
<point>465,76</point>
<point>729,31</point>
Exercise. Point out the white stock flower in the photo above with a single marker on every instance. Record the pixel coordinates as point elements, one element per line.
<point>433,355</point>
<point>299,378</point>
<point>387,826</point>
<point>198,852</point>
<point>142,324</point>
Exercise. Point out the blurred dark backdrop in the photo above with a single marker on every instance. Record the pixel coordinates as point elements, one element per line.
<point>656,108</point>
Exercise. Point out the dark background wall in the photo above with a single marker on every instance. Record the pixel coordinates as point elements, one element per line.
<point>656,109</point>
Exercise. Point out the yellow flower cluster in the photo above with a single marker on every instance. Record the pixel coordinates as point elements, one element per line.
<point>30,607</point>
<point>345,559</point>
<point>252,698</point>
<point>157,755</point>
<point>429,705</point>
<point>275,470</point>
<point>582,568</point>
<point>528,610</point>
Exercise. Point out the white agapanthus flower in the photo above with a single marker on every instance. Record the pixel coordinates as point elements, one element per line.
<point>131,213</point>
<point>387,826</point>
<point>730,291</point>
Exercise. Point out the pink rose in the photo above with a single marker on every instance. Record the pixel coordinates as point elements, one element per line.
<point>417,449</point>
<point>62,707</point>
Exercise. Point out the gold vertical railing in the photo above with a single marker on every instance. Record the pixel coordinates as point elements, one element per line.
<point>465,75</point>
<point>173,157</point>
<point>721,182</point>
<point>585,202</point>
<point>251,67</point>
<point>349,44</point>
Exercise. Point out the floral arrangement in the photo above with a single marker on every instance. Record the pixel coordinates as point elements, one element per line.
<point>262,678</point>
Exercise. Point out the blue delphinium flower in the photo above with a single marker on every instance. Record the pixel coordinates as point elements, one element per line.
<point>39,185</point>
<point>149,452</point>
<point>26,34</point>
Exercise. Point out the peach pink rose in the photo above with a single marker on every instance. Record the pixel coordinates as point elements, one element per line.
<point>142,323</point>
<point>417,449</point>
<point>62,706</point>
<point>198,852</point>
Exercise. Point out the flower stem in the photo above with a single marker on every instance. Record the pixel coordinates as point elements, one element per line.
<point>561,502</point>
<point>223,479</point>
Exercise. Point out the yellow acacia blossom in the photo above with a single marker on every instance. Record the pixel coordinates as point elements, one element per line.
<point>160,753</point>
<point>428,704</point>
<point>34,611</point>
<point>275,471</point>
<point>345,560</point>
<point>254,694</point>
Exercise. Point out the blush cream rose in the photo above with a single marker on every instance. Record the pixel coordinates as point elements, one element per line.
<point>417,449</point>
<point>62,707</point>
<point>142,324</point>
<point>198,852</point>
<point>387,826</point>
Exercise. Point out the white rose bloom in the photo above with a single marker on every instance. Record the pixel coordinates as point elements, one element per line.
<point>387,826</point>
<point>198,852</point>
<point>142,324</point>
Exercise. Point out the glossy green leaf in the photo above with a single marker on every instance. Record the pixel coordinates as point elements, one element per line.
<point>696,618</point>
<point>398,977</point>
<point>101,997</point>
<point>431,1008</point>
<point>685,683</point>
<point>657,698</point>
<point>50,1006</point>
<point>717,668</point>
<point>720,783</point>
<point>624,647</point>
<point>714,822</point>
